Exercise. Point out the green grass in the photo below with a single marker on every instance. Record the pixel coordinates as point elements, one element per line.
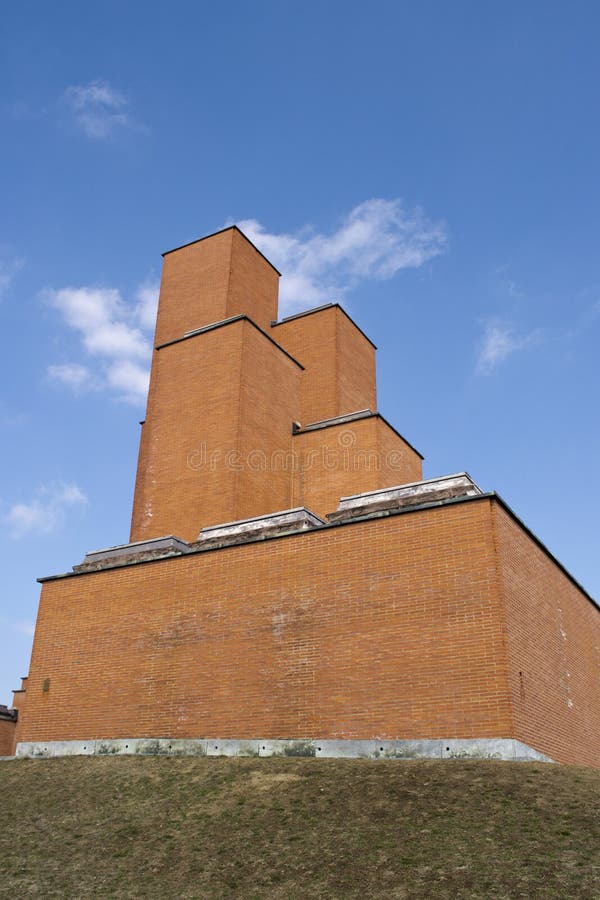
<point>297,828</point>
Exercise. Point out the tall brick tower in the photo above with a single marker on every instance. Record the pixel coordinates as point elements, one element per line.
<point>292,585</point>
<point>245,414</point>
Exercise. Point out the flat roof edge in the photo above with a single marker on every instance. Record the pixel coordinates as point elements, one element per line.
<point>224,322</point>
<point>401,436</point>
<point>342,420</point>
<point>214,234</point>
<point>316,309</point>
<point>542,546</point>
<point>423,507</point>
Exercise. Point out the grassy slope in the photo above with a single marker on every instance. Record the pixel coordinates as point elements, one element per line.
<point>287,828</point>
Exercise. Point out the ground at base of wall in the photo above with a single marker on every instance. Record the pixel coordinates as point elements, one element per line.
<point>301,828</point>
<point>482,748</point>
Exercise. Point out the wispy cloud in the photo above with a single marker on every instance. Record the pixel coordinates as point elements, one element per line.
<point>129,379</point>
<point>99,110</point>
<point>147,304</point>
<point>114,335</point>
<point>9,266</point>
<point>45,513</point>
<point>499,341</point>
<point>505,285</point>
<point>74,375</point>
<point>375,240</point>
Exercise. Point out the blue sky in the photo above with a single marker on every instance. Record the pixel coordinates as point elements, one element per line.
<point>463,136</point>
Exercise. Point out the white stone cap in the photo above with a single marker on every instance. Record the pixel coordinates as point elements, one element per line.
<point>459,482</point>
<point>168,542</point>
<point>296,519</point>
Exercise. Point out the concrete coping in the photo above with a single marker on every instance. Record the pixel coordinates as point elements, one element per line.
<point>298,519</point>
<point>416,493</point>
<point>339,420</point>
<point>413,488</point>
<point>167,543</point>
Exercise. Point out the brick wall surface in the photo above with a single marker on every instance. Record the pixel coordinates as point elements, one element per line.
<point>253,285</point>
<point>356,373</point>
<point>7,737</point>
<point>269,398</point>
<point>350,458</point>
<point>211,280</point>
<point>339,363</point>
<point>553,641</point>
<point>217,433</point>
<point>388,628</point>
<point>193,412</point>
<point>397,457</point>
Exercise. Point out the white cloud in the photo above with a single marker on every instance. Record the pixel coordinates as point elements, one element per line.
<point>499,341</point>
<point>74,375</point>
<point>147,304</point>
<point>101,318</point>
<point>375,240</point>
<point>46,512</point>
<point>129,379</point>
<point>114,335</point>
<point>98,109</point>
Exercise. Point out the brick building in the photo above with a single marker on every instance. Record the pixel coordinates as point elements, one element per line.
<point>292,585</point>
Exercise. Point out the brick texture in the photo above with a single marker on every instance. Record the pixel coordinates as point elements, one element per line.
<point>350,458</point>
<point>217,432</point>
<point>339,361</point>
<point>389,628</point>
<point>553,645</point>
<point>211,280</point>
<point>7,737</point>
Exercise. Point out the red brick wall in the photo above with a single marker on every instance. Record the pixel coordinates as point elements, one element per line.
<point>222,405</point>
<point>269,399</point>
<point>356,374</point>
<point>400,463</point>
<point>339,361</point>
<point>7,737</point>
<point>350,458</point>
<point>211,280</point>
<point>388,628</point>
<point>553,640</point>
<point>193,402</point>
<point>253,283</point>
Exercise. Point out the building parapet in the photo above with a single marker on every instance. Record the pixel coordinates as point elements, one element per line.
<point>445,487</point>
<point>286,521</point>
<point>138,551</point>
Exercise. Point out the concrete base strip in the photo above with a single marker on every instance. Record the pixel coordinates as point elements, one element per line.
<point>483,748</point>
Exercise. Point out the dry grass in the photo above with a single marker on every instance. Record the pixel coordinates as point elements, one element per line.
<point>295,828</point>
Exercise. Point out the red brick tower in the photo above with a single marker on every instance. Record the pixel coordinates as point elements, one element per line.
<point>235,400</point>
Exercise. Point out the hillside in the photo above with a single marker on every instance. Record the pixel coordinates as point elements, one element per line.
<point>279,828</point>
